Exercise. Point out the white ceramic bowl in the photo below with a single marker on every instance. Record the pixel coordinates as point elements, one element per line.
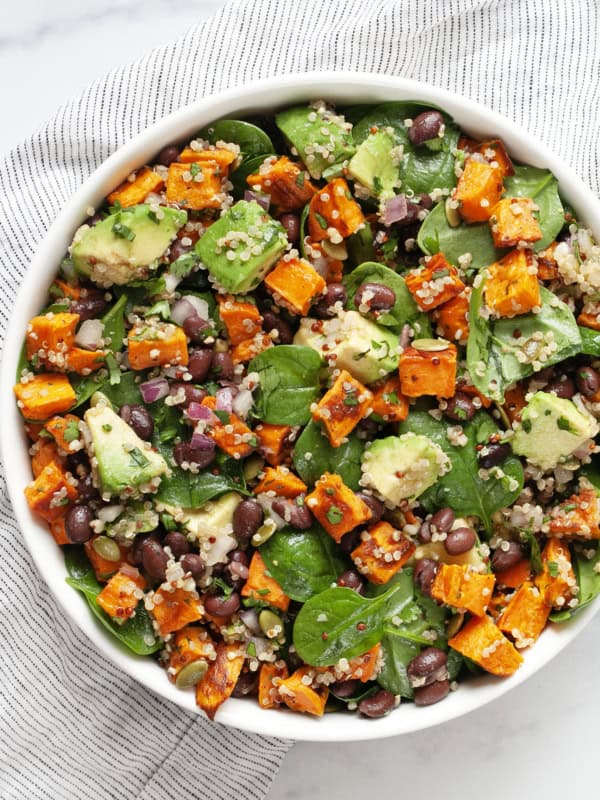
<point>263,95</point>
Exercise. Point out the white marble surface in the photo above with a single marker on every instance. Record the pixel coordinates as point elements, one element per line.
<point>541,740</point>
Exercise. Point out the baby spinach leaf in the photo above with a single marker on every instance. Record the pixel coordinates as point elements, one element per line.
<point>360,246</point>
<point>462,489</point>
<point>85,386</point>
<point>437,236</point>
<point>188,489</point>
<point>114,324</point>
<point>343,460</point>
<point>137,633</point>
<point>590,341</point>
<point>289,383</point>
<point>304,563</point>
<point>588,581</point>
<point>493,346</point>
<point>390,115</point>
<point>251,139</point>
<point>404,310</point>
<point>127,392</point>
<point>248,167</point>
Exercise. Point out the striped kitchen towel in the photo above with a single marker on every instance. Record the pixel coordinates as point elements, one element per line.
<point>72,725</point>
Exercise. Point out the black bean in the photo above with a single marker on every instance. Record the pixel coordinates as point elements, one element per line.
<point>199,363</point>
<point>217,605</point>
<point>168,154</point>
<point>350,579</point>
<point>193,394</point>
<point>425,533</point>
<point>89,307</point>
<point>427,667</point>
<point>246,685</point>
<point>298,516</point>
<point>588,381</point>
<point>236,571</point>
<point>195,328</point>
<point>345,689</point>
<point>78,524</point>
<point>460,540</point>
<point>139,419</point>
<point>378,297</point>
<point>86,490</point>
<point>424,573</point>
<point>194,564</point>
<point>222,366</point>
<point>184,452</point>
<point>178,544</point>
<point>139,543</point>
<point>375,505</point>
<point>247,519</point>
<point>427,695</point>
<point>378,705</point>
<point>154,561</point>
<point>425,126</point>
<point>443,520</point>
<point>562,387</point>
<point>291,223</point>
<point>350,541</point>
<point>273,322</point>
<point>503,559</point>
<point>335,293</point>
<point>425,201</point>
<point>492,455</point>
<point>460,407</point>
<point>179,249</point>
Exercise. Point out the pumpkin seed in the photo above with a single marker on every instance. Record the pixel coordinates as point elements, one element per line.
<point>336,251</point>
<point>270,623</point>
<point>454,624</point>
<point>431,345</point>
<point>452,213</point>
<point>107,548</point>
<point>266,530</point>
<point>252,466</point>
<point>191,674</point>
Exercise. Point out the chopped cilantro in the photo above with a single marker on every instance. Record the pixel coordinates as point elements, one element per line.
<point>300,178</point>
<point>251,649</point>
<point>138,458</point>
<point>334,515</point>
<point>553,569</point>
<point>564,424</point>
<point>153,216</point>
<point>123,232</point>
<point>321,220</point>
<point>222,416</point>
<point>195,169</point>
<point>351,399</point>
<point>71,431</point>
<point>377,185</point>
<point>391,397</point>
<point>107,428</point>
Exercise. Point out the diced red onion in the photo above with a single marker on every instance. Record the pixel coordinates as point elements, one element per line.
<point>199,413</point>
<point>242,403</point>
<point>250,619</point>
<point>395,209</point>
<point>263,200</point>
<point>154,390</point>
<point>171,282</point>
<point>189,306</point>
<point>89,335</point>
<point>224,398</point>
<point>261,645</point>
<point>109,513</point>
<point>200,441</point>
<point>200,305</point>
<point>266,503</point>
<point>129,570</point>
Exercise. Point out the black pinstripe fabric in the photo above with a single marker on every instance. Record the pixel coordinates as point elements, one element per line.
<point>71,725</point>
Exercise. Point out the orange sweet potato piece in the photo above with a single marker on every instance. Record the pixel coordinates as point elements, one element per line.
<point>239,442</point>
<point>525,616</point>
<point>452,318</point>
<point>131,193</point>
<point>241,318</point>
<point>50,335</point>
<point>299,696</point>
<point>60,288</point>
<point>478,190</point>
<point>512,221</point>
<point>472,391</point>
<point>434,284</point>
<point>220,156</point>
<point>84,362</point>
<point>388,401</point>
<point>51,493</point>
<point>514,402</point>
<point>557,578</point>
<point>273,442</point>
<point>45,452</point>
<point>156,346</point>
<point>102,566</point>
<point>342,407</point>
<point>269,679</point>
<point>382,552</point>
<point>174,610</point>
<point>428,372</point>
<point>495,153</point>
<point>337,507</point>
<point>34,430</point>
<point>286,182</point>
<point>513,577</point>
<point>220,679</point>
<point>262,586</point>
<point>482,642</point>
<point>121,595</point>
<point>512,286</point>
<point>249,348</point>
<point>64,430</point>
<point>547,266</point>
<point>189,644</point>
<point>458,586</point>
<point>195,186</point>
<point>44,395</point>
<point>364,667</point>
<point>294,284</point>
<point>577,518</point>
<point>281,481</point>
<point>59,531</point>
<point>333,207</point>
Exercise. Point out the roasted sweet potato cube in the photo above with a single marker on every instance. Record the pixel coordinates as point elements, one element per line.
<point>337,507</point>
<point>294,284</point>
<point>495,154</point>
<point>512,221</point>
<point>220,156</point>
<point>482,641</point>
<point>388,403</point>
<point>512,287</point>
<point>64,430</point>
<point>269,679</point>
<point>452,318</point>
<point>342,407</point>
<point>241,318</point>
<point>576,518</point>
<point>557,579</point>
<point>44,452</point>
<point>428,372</point>
<point>333,213</point>
<point>282,481</point>
<point>479,189</point>
<point>434,284</point>
<point>525,616</point>
<point>190,644</point>
<point>261,586</point>
<point>248,349</point>
<point>44,395</point>
<point>195,186</point>
<point>233,436</point>
<point>220,679</point>
<point>547,266</point>
<point>59,531</point>
<point>286,182</point>
<point>382,552</point>
<point>121,595</point>
<point>133,192</point>
<point>459,586</point>
<point>299,696</point>
<point>472,391</point>
<point>590,316</point>
<point>60,289</point>
<point>176,609</point>
<point>51,493</point>
<point>513,577</point>
<point>102,566</point>
<point>50,335</point>
<point>84,362</point>
<point>273,442</point>
<point>157,345</point>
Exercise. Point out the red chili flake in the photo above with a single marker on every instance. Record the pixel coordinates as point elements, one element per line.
<point>361,626</point>
<point>435,361</point>
<point>324,636</point>
<point>517,333</point>
<point>478,447</point>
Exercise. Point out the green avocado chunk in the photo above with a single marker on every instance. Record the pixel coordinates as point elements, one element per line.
<point>126,245</point>
<point>375,165</point>
<point>240,248</point>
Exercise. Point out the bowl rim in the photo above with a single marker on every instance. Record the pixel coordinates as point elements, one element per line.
<point>265,93</point>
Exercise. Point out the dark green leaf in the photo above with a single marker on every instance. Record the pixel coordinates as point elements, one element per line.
<point>343,460</point>
<point>360,246</point>
<point>590,341</point>
<point>252,140</point>
<point>249,167</point>
<point>289,383</point>
<point>542,187</point>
